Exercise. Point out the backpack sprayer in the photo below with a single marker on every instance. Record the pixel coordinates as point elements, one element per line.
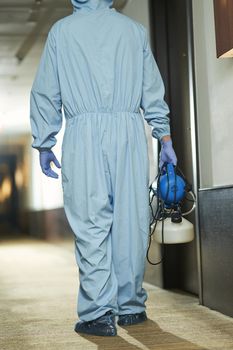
<point>167,194</point>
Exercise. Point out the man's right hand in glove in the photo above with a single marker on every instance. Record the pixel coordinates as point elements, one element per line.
<point>46,157</point>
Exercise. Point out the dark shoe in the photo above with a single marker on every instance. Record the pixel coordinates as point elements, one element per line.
<point>130,319</point>
<point>103,325</point>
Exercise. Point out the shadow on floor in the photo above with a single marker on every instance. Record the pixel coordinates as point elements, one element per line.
<point>143,336</point>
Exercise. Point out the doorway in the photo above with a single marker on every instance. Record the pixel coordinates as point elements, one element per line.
<point>172,47</point>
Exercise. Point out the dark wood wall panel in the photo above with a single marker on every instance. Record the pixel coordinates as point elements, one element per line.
<point>49,224</point>
<point>223,12</point>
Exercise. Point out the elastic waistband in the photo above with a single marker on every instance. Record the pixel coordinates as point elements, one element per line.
<point>110,113</point>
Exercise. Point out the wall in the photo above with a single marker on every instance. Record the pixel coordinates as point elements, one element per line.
<point>214,86</point>
<point>214,79</point>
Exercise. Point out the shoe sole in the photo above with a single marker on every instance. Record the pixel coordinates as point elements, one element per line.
<point>122,323</point>
<point>81,331</point>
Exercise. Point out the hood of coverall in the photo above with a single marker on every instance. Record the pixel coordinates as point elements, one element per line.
<point>89,5</point>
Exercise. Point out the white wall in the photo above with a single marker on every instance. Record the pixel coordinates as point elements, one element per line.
<point>214,79</point>
<point>138,10</point>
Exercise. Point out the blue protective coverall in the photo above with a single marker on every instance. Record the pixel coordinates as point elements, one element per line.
<point>98,65</point>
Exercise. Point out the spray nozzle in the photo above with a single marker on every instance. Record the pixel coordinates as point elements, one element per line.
<point>176,217</point>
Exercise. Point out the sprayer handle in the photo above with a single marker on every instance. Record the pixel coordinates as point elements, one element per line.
<point>170,169</point>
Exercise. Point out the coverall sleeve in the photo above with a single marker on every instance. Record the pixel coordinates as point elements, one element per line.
<point>152,102</point>
<point>45,99</point>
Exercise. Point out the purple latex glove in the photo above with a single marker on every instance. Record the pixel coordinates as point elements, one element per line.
<point>167,154</point>
<point>47,156</point>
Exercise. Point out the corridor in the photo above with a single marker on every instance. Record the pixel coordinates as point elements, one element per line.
<point>38,290</point>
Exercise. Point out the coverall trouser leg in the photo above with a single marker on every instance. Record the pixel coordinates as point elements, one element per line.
<point>105,177</point>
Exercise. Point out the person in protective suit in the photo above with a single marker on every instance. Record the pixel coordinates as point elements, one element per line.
<point>98,66</point>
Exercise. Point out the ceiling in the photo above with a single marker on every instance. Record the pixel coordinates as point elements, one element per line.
<point>23,22</point>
